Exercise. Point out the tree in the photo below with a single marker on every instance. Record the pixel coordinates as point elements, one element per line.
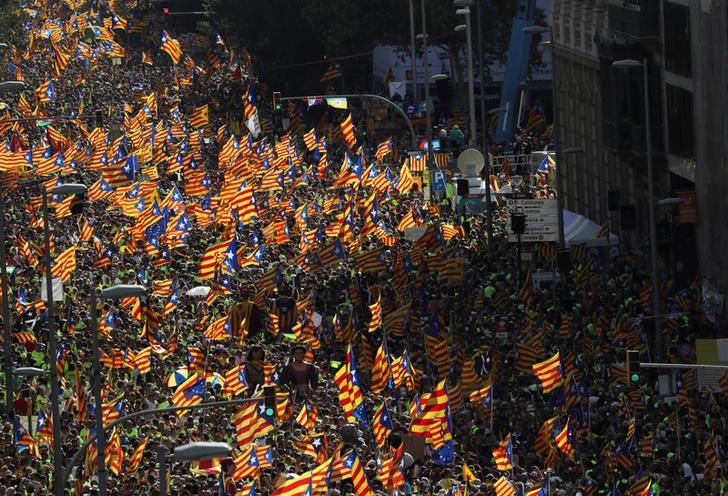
<point>283,35</point>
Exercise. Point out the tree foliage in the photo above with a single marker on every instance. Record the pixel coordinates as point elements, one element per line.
<point>282,33</point>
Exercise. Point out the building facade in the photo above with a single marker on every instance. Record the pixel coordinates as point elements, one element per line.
<point>601,109</point>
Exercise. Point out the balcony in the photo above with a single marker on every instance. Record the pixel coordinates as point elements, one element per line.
<point>635,20</point>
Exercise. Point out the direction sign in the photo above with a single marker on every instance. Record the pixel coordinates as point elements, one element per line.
<point>535,238</point>
<point>542,222</point>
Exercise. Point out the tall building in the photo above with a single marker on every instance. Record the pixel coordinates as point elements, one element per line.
<point>601,109</point>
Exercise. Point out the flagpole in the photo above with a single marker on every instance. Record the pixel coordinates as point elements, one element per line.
<point>491,409</point>
<point>677,428</point>
<point>204,378</point>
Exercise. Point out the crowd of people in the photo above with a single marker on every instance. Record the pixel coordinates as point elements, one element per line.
<point>400,363</point>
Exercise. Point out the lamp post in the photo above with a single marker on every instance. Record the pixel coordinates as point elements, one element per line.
<point>28,372</point>
<point>114,293</point>
<point>628,64</point>
<point>13,85</point>
<point>63,190</point>
<point>671,204</point>
<point>412,51</point>
<point>465,10</point>
<point>481,75</point>
<point>426,64</point>
<point>488,206</point>
<point>7,332</point>
<point>189,452</point>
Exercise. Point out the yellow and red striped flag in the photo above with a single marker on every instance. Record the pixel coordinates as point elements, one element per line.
<point>376,310</point>
<point>549,373</point>
<point>405,181</point>
<point>171,47</point>
<point>381,371</point>
<point>348,131</point>
<point>503,454</point>
<point>199,117</point>
<point>136,458</point>
<point>65,264</point>
<point>503,487</point>
<point>563,442</point>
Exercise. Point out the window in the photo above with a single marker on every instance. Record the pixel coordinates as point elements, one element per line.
<point>677,39</point>
<point>680,121</point>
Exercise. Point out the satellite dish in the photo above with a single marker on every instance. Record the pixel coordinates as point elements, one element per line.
<point>471,162</point>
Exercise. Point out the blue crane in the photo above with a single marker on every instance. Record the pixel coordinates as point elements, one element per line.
<point>516,69</point>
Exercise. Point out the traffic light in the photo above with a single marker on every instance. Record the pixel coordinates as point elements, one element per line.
<point>276,100</point>
<point>165,10</point>
<point>269,400</point>
<point>633,366</point>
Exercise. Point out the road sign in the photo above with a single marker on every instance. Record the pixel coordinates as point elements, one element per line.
<point>542,222</point>
<point>438,181</point>
<point>534,238</point>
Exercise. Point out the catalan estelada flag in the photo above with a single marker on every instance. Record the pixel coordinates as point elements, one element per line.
<point>332,72</point>
<point>503,487</point>
<point>376,310</point>
<point>199,117</point>
<point>549,373</point>
<point>405,181</point>
<point>171,47</point>
<point>65,264</point>
<point>136,458</point>
<point>563,441</point>
<point>383,149</point>
<point>46,93</point>
<point>382,425</point>
<point>348,131</point>
<point>503,454</point>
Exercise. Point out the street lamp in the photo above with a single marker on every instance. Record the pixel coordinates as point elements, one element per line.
<point>113,293</point>
<point>488,207</point>
<point>62,190</point>
<point>628,64</point>
<point>469,50</point>
<point>439,77</point>
<point>413,53</point>
<point>28,371</point>
<point>671,203</point>
<point>425,62</point>
<point>189,452</point>
<point>7,332</point>
<point>13,85</point>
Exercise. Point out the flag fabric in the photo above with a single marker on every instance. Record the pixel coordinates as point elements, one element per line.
<point>382,425</point>
<point>331,73</point>
<point>375,309</point>
<point>190,392</point>
<point>503,487</point>
<point>383,149</point>
<point>549,373</point>
<point>171,47</point>
<point>337,102</point>
<point>563,441</point>
<point>199,117</point>
<point>536,116</point>
<point>381,373</point>
<point>503,454</point>
<point>65,264</point>
<point>405,181</point>
<point>604,230</point>
<point>136,458</point>
<point>348,131</point>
